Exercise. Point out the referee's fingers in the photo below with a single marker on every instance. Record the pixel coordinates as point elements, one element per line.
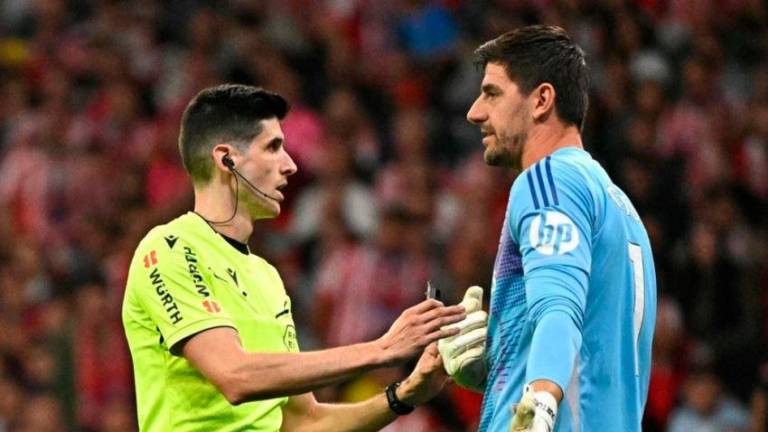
<point>445,319</point>
<point>441,333</point>
<point>475,320</point>
<point>426,305</point>
<point>440,312</point>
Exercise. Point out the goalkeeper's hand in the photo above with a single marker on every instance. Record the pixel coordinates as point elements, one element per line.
<point>464,354</point>
<point>536,412</point>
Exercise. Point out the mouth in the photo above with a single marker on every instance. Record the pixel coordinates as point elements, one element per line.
<point>279,189</point>
<point>487,136</point>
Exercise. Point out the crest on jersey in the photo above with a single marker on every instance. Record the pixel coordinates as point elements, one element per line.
<point>289,338</point>
<point>622,202</point>
<point>553,233</point>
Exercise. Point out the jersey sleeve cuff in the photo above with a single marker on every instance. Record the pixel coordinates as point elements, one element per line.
<point>196,327</point>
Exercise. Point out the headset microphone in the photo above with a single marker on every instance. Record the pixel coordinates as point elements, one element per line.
<point>230,164</point>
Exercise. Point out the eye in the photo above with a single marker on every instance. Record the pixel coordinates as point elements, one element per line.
<point>491,92</point>
<point>274,145</point>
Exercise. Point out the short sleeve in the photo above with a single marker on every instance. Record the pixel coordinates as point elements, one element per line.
<point>172,289</point>
<point>551,212</point>
<point>290,338</point>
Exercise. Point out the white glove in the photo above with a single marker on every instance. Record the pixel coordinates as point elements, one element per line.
<point>536,412</point>
<point>464,354</point>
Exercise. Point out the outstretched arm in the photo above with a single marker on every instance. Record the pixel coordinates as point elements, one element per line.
<point>303,412</point>
<point>244,376</point>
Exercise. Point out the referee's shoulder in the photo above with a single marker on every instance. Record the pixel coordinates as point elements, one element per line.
<point>152,236</point>
<point>261,261</point>
<point>162,234</point>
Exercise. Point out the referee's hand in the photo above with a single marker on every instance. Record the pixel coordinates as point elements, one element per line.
<point>417,327</point>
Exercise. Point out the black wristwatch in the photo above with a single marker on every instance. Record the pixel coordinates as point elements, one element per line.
<point>396,404</point>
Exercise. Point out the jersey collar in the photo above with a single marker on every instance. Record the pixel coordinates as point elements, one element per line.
<point>241,247</point>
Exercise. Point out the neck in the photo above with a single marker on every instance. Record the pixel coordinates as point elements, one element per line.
<point>218,205</point>
<point>546,139</point>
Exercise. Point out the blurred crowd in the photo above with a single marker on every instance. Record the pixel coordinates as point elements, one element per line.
<point>392,190</point>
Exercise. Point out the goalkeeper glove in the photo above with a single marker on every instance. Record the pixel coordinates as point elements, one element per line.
<point>464,354</point>
<point>536,412</point>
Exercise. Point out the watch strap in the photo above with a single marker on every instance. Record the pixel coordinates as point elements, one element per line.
<point>395,404</point>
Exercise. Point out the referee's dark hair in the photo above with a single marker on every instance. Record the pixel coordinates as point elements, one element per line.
<point>537,54</point>
<point>225,113</point>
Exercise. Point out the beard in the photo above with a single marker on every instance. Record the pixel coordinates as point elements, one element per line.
<point>507,151</point>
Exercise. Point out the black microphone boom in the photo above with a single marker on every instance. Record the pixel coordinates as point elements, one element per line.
<point>230,164</point>
<point>251,185</point>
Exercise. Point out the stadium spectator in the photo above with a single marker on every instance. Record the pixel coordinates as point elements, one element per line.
<point>706,407</point>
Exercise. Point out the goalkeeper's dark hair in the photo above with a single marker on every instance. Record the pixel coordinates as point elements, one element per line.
<point>226,113</point>
<point>539,54</point>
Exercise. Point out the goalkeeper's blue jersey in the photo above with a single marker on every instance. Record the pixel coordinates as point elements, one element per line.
<point>572,246</point>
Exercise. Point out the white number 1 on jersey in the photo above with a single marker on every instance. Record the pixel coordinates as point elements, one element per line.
<point>636,256</point>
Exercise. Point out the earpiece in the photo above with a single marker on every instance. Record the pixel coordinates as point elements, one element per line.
<point>228,162</point>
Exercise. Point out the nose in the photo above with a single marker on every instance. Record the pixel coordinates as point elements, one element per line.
<point>476,115</point>
<point>289,166</point>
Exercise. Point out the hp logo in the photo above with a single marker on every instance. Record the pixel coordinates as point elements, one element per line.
<point>553,233</point>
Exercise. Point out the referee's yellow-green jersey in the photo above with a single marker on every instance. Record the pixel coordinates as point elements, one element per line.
<point>185,278</point>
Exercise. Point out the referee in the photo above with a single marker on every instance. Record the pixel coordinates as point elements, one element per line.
<point>209,324</point>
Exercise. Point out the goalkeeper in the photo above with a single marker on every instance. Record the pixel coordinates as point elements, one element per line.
<point>209,324</point>
<point>573,301</point>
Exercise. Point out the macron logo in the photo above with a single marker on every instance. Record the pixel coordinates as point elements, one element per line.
<point>553,233</point>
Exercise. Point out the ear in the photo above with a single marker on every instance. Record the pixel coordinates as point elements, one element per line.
<point>543,101</point>
<point>218,152</point>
